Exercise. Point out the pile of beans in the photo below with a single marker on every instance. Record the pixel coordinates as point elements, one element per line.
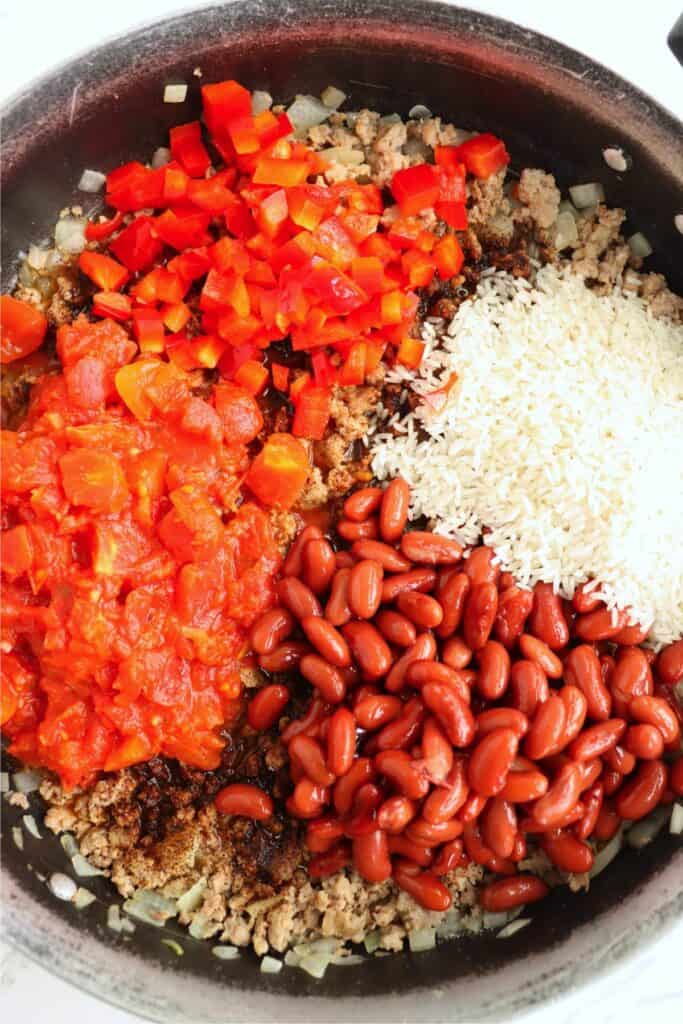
<point>454,715</point>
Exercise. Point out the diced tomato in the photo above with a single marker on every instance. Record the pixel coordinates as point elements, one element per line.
<point>16,551</point>
<point>94,479</point>
<point>278,474</point>
<point>22,328</point>
<point>239,412</point>
<point>415,188</point>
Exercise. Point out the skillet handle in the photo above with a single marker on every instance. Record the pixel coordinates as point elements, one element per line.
<point>675,40</point>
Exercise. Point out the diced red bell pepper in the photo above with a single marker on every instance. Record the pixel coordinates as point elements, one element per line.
<point>295,252</point>
<point>98,230</point>
<point>324,373</point>
<point>336,290</point>
<point>299,385</point>
<point>176,315</point>
<point>368,273</point>
<point>148,328</point>
<point>454,214</point>
<point>234,356</point>
<point>379,246</point>
<point>447,157</point>
<point>138,189</point>
<point>273,128</point>
<point>230,254</point>
<point>418,268</point>
<point>186,232</point>
<point>111,304</point>
<point>285,173</point>
<point>209,195</point>
<point>360,225</point>
<point>272,213</point>
<point>410,353</point>
<point>191,264</point>
<point>391,307</point>
<point>16,551</point>
<point>252,376</point>
<point>309,205</point>
<point>374,353</point>
<point>223,102</point>
<point>261,273</point>
<point>415,188</point>
<point>137,247</point>
<point>189,150</point>
<point>107,274</point>
<point>353,369</point>
<point>448,257</point>
<point>280,376</point>
<point>221,290</point>
<point>159,285</point>
<point>360,198</point>
<point>312,413</point>
<point>452,187</point>
<point>176,182</point>
<point>22,329</point>
<point>278,474</point>
<point>244,135</point>
<point>484,155</point>
<point>236,329</point>
<point>334,244</point>
<point>239,219</point>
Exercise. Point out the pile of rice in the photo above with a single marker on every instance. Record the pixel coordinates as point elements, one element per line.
<point>563,435</point>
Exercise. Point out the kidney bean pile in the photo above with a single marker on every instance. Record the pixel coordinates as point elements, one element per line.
<point>454,716</point>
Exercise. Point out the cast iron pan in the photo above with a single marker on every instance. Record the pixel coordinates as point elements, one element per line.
<point>556,110</point>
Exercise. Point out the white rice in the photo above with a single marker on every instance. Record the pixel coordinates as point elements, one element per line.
<point>563,435</point>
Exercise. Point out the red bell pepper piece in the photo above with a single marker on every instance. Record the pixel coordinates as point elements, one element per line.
<point>324,372</point>
<point>484,155</point>
<point>223,102</point>
<point>176,181</point>
<point>221,290</point>
<point>299,385</point>
<point>454,214</point>
<point>186,232</point>
<point>334,244</point>
<point>309,205</point>
<point>252,376</point>
<point>230,254</point>
<point>410,352</point>
<point>113,305</point>
<point>335,289</point>
<point>261,273</point>
<point>107,274</point>
<point>368,273</point>
<point>97,231</point>
<point>271,129</point>
<point>448,257</point>
<point>176,315</point>
<point>137,247</point>
<point>312,413</point>
<point>137,189</point>
<point>209,195</point>
<point>22,329</point>
<point>191,264</point>
<point>148,328</point>
<point>272,213</point>
<point>415,188</point>
<point>244,135</point>
<point>237,329</point>
<point>189,150</point>
<point>452,187</point>
<point>418,268</point>
<point>285,173</point>
<point>280,375</point>
<point>234,356</point>
<point>353,369</point>
<point>239,219</point>
<point>360,225</point>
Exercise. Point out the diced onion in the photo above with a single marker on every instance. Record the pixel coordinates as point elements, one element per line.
<point>116,922</point>
<point>390,119</point>
<point>639,245</point>
<point>26,781</point>
<point>419,112</point>
<point>644,831</point>
<point>18,837</point>
<point>343,155</point>
<point>151,907</point>
<point>69,845</point>
<point>566,232</point>
<point>678,222</point>
<point>616,159</point>
<point>416,147</point>
<point>201,927</point>
<point>422,939</point>
<point>676,821</point>
<point>260,101</point>
<point>494,919</point>
<point>61,886</point>
<point>333,97</point>
<point>4,782</point>
<point>587,195</point>
<point>606,855</point>
<point>92,181</point>
<point>451,924</point>
<point>269,965</point>
<point>512,927</point>
<point>191,899</point>
<point>316,964</point>
<point>70,234</point>
<point>347,960</point>
<point>31,826</point>
<point>226,952</point>
<point>37,257</point>
<point>372,941</point>
<point>292,959</point>
<point>161,157</point>
<point>175,93</point>
<point>174,946</point>
<point>82,898</point>
<point>306,112</point>
<point>84,868</point>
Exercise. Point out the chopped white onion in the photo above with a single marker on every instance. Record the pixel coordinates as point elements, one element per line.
<point>70,234</point>
<point>616,159</point>
<point>372,941</point>
<point>306,112</point>
<point>494,919</point>
<point>69,845</point>
<point>226,952</point>
<point>26,781</point>
<point>175,93</point>
<point>333,97</point>
<point>18,837</point>
<point>82,898</point>
<point>84,868</point>
<point>567,207</point>
<point>191,899</point>
<point>161,157</point>
<point>416,147</point>
<point>390,119</point>
<point>347,959</point>
<point>201,927</point>
<point>639,245</point>
<point>645,830</point>
<point>451,924</point>
<point>151,907</point>
<point>92,181</point>
<point>422,939</point>
<point>31,826</point>
<point>269,965</point>
<point>4,782</point>
<point>328,946</point>
<point>37,257</point>
<point>587,195</point>
<point>512,927</point>
<point>419,112</point>
<point>260,101</point>
<point>116,922</point>
<point>343,155</point>
<point>607,854</point>
<point>316,964</point>
<point>676,821</point>
<point>61,886</point>
<point>566,232</point>
<point>174,946</point>
<point>292,959</point>
<point>678,222</point>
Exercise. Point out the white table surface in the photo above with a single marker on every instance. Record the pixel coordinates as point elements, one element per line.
<point>628,37</point>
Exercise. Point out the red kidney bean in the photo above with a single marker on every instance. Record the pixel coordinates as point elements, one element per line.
<point>298,598</point>
<point>576,707</point>
<point>393,513</point>
<point>630,635</point>
<point>421,609</point>
<point>601,624</point>
<point>420,672</point>
<point>641,794</point>
<point>546,732</point>
<point>676,777</point>
<point>445,801</point>
<point>311,759</point>
<point>363,817</point>
<point>632,677</point>
<point>328,641</point>
<point>456,653</point>
<point>370,856</point>
<point>337,611</point>
<point>284,657</point>
<point>480,567</point>
<point>271,629</point>
<point>325,677</point>
<point>396,628</point>
<point>323,833</point>
<point>607,666</point>
<point>494,670</point>
<point>293,565</point>
<point>567,852</point>
<point>669,663</point>
<point>582,669</point>
<point>547,620</point>
<point>389,558</point>
<point>502,718</point>
<point>528,686</point>
<point>490,761</point>
<point>530,825</point>
<point>592,801</point>
<point>430,548</point>
<point>395,813</point>
<point>452,596</point>
<point>505,580</point>
<point>538,651</point>
<point>245,800</point>
<point>365,588</point>
<point>427,834</point>
<point>423,886</point>
<point>374,711</point>
<point>519,851</point>
<point>350,531</point>
<point>424,649</point>
<point>266,706</point>
<point>561,797</point>
<point>329,863</point>
<point>656,711</point>
<point>450,857</point>
<point>499,826</point>
<point>476,848</point>
<point>422,580</point>
<point>369,649</point>
<point>345,788</point>
<point>341,741</point>
<point>508,893</point>
<point>404,730</point>
<point>472,808</point>
<point>310,721</point>
<point>480,613</point>
<point>318,565</point>
<point>523,786</point>
<point>404,847</point>
<point>344,560</point>
<point>360,505</point>
<point>607,824</point>
<point>404,773</point>
<point>611,781</point>
<point>452,713</point>
<point>584,599</point>
<point>644,741</point>
<point>619,760</point>
<point>437,752</point>
<point>597,740</point>
<point>514,608</point>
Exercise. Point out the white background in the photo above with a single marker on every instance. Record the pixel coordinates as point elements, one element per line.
<point>629,37</point>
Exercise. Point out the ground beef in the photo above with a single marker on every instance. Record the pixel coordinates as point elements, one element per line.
<point>540,197</point>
